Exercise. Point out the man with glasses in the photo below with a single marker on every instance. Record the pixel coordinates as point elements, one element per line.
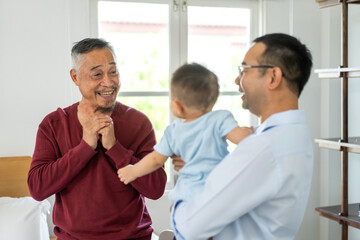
<point>260,190</point>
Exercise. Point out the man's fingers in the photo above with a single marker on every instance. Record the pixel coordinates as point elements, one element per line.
<point>102,124</point>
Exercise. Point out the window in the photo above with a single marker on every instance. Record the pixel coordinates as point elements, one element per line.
<point>152,38</point>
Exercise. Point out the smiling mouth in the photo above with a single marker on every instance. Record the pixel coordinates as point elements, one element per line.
<point>106,93</point>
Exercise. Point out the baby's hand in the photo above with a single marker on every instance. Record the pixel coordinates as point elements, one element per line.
<point>250,130</point>
<point>126,174</point>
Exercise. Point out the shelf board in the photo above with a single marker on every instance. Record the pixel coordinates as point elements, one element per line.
<point>327,3</point>
<point>333,213</point>
<point>353,145</point>
<point>338,72</point>
<point>330,3</point>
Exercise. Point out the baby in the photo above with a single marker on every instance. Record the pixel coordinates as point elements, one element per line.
<point>199,138</point>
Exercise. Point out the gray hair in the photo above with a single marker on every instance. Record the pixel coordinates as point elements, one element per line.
<point>85,46</point>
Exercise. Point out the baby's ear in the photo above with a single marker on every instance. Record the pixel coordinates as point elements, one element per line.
<point>179,107</point>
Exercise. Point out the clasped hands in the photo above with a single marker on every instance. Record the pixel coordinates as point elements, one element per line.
<point>96,126</point>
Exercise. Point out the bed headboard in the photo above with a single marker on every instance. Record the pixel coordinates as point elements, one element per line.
<point>13,176</point>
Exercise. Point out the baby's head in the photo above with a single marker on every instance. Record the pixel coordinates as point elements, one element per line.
<point>195,87</point>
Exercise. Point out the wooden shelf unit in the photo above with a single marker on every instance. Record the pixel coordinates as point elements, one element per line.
<point>330,3</point>
<point>338,72</point>
<point>353,144</point>
<point>334,213</point>
<point>346,214</point>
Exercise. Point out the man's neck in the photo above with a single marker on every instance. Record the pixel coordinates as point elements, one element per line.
<point>277,109</point>
<point>280,101</point>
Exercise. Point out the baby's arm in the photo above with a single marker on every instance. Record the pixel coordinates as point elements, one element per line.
<point>148,164</point>
<point>239,133</point>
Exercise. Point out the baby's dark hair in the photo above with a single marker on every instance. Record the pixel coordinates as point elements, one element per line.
<point>195,86</point>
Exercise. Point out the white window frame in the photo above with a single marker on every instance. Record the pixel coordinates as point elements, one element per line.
<point>178,39</point>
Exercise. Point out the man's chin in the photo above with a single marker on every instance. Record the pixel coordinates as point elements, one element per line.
<point>245,105</point>
<point>105,109</point>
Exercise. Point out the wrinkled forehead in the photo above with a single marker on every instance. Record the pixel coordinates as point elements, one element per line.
<point>97,57</point>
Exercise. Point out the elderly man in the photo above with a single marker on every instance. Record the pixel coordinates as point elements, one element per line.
<point>79,149</point>
<point>260,190</point>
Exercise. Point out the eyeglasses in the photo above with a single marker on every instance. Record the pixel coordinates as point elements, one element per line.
<point>243,67</point>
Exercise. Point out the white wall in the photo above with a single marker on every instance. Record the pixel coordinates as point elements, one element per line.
<point>35,41</point>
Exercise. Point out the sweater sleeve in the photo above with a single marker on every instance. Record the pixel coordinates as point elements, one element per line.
<point>152,185</point>
<point>50,173</point>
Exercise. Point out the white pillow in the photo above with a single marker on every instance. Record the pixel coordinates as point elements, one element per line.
<point>23,219</point>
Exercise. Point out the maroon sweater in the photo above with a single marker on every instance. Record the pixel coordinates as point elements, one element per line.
<point>91,202</point>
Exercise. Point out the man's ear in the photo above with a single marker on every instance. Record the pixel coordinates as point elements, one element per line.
<point>74,76</point>
<point>276,78</point>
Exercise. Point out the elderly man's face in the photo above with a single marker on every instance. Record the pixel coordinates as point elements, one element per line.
<point>98,79</point>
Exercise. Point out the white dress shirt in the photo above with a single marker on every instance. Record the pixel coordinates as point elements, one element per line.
<point>259,191</point>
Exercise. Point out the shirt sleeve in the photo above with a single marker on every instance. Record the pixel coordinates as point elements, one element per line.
<point>227,122</point>
<point>242,181</point>
<point>163,147</point>
<point>49,173</point>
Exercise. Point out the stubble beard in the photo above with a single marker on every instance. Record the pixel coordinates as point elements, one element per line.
<point>245,104</point>
<point>105,110</point>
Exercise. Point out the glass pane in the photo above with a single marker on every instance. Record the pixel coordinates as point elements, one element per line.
<point>156,109</point>
<point>233,104</point>
<point>139,34</point>
<point>219,39</point>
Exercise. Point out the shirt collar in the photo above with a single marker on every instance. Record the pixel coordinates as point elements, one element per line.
<point>281,118</point>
